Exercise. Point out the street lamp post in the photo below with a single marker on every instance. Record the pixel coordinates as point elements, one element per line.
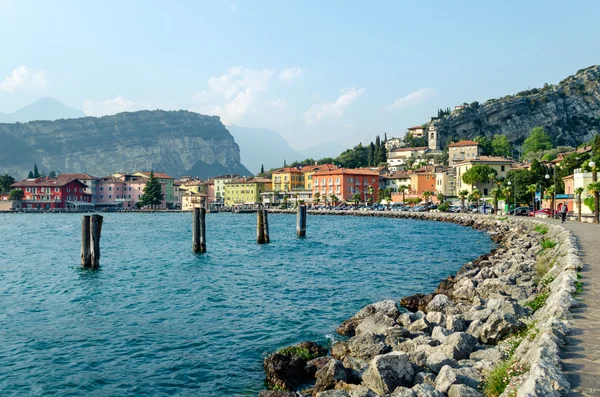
<point>592,164</point>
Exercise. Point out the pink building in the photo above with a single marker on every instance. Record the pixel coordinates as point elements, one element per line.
<point>123,191</point>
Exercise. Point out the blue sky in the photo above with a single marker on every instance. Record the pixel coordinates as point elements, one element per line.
<point>314,71</point>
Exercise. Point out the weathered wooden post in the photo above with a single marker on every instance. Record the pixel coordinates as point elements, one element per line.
<point>266,226</point>
<point>301,221</point>
<point>96,231</point>
<point>86,255</point>
<point>260,227</point>
<point>199,230</point>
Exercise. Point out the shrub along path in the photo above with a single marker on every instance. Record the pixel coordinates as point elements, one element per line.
<point>581,358</point>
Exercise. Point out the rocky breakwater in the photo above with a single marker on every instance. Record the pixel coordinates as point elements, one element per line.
<point>494,329</point>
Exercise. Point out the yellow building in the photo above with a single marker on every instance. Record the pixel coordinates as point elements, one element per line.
<point>287,179</point>
<point>500,164</point>
<point>246,191</point>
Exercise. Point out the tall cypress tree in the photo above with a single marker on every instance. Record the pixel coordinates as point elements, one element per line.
<point>30,175</point>
<point>262,169</point>
<point>371,155</point>
<point>36,173</point>
<point>384,137</point>
<point>382,155</point>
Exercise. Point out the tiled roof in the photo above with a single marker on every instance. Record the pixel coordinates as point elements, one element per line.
<point>318,167</point>
<point>156,174</point>
<point>45,182</point>
<point>286,170</point>
<point>349,171</point>
<point>416,127</point>
<point>409,149</point>
<point>86,177</point>
<point>463,143</point>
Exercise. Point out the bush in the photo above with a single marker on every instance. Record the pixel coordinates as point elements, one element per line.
<point>292,351</point>
<point>547,244</point>
<point>538,302</point>
<point>444,206</point>
<point>541,229</point>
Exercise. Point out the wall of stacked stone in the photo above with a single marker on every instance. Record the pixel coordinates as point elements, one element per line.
<point>538,351</point>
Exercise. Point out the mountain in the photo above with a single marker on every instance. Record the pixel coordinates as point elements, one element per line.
<point>175,142</point>
<point>42,109</point>
<point>569,111</point>
<point>260,146</point>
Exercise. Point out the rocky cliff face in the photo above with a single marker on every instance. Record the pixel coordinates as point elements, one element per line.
<point>177,143</point>
<point>569,111</point>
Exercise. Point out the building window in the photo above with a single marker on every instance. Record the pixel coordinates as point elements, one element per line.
<point>110,196</point>
<point>110,188</point>
<point>68,190</point>
<point>501,168</point>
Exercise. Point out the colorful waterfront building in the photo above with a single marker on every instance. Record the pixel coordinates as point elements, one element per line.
<point>168,181</point>
<point>463,151</point>
<point>219,188</point>
<point>288,179</point>
<point>501,164</point>
<point>54,193</point>
<point>246,191</point>
<point>91,183</point>
<point>344,183</point>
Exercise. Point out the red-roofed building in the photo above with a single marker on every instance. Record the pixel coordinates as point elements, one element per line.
<point>91,183</point>
<point>416,131</point>
<point>54,193</point>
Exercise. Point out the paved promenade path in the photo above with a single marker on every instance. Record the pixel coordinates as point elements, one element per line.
<point>581,359</point>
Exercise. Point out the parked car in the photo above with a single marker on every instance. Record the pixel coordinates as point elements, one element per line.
<point>521,211</point>
<point>543,211</point>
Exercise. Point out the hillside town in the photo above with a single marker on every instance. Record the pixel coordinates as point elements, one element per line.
<point>422,176</point>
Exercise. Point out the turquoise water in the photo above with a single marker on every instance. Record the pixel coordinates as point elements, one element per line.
<point>156,320</point>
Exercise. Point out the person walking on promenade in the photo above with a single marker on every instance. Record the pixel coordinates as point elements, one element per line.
<point>563,212</point>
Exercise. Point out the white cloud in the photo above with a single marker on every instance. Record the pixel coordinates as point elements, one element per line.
<point>233,94</point>
<point>331,110</point>
<point>111,106</point>
<point>290,74</point>
<point>414,98</point>
<point>24,77</point>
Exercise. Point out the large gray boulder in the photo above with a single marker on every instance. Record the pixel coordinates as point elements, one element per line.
<point>364,346</point>
<point>388,371</point>
<point>437,360</point>
<point>439,303</point>
<point>330,375</point>
<point>388,308</point>
<point>498,326</point>
<point>440,333</point>
<point>468,376</point>
<point>436,318</point>
<point>403,392</point>
<point>445,379</point>
<point>420,325</point>
<point>377,323</point>
<point>456,323</point>
<point>458,345</point>
<point>425,390</point>
<point>463,391</point>
<point>333,393</point>
<point>355,390</point>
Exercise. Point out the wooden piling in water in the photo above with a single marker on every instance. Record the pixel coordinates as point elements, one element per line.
<point>266,226</point>
<point>260,227</point>
<point>95,234</point>
<point>199,230</point>
<point>301,221</point>
<point>86,255</point>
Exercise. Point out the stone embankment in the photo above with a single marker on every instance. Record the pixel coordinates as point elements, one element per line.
<point>494,329</point>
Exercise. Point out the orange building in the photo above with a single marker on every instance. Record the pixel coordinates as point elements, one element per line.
<point>345,182</point>
<point>423,182</point>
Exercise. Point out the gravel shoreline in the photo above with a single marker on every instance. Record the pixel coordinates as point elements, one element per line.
<point>496,328</point>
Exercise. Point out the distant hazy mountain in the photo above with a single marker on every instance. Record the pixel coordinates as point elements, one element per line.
<point>260,146</point>
<point>42,109</point>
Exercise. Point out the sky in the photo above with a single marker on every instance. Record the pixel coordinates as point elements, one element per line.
<point>315,71</point>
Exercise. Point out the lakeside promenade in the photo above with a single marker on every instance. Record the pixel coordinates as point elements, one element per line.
<point>581,355</point>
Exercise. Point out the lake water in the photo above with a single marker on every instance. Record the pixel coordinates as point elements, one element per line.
<point>156,320</point>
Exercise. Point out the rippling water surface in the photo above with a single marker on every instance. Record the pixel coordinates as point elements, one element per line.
<point>157,320</point>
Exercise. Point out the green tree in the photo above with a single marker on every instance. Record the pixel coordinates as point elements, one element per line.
<point>578,193</point>
<point>36,173</point>
<point>334,199</point>
<point>152,192</point>
<point>475,196</point>
<point>371,191</point>
<point>16,194</point>
<point>371,154</point>
<point>356,157</point>
<point>382,156</point>
<point>262,169</point>
<point>496,193</point>
<point>531,189</point>
<point>402,189</point>
<point>317,198</point>
<point>537,140</point>
<point>522,178</point>
<point>594,188</point>
<point>52,174</point>
<point>426,196</point>
<point>501,146</point>
<point>441,197</point>
<point>356,199</point>
<point>484,144</point>
<point>479,173</point>
<point>5,182</point>
<point>463,195</point>
<point>30,175</point>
